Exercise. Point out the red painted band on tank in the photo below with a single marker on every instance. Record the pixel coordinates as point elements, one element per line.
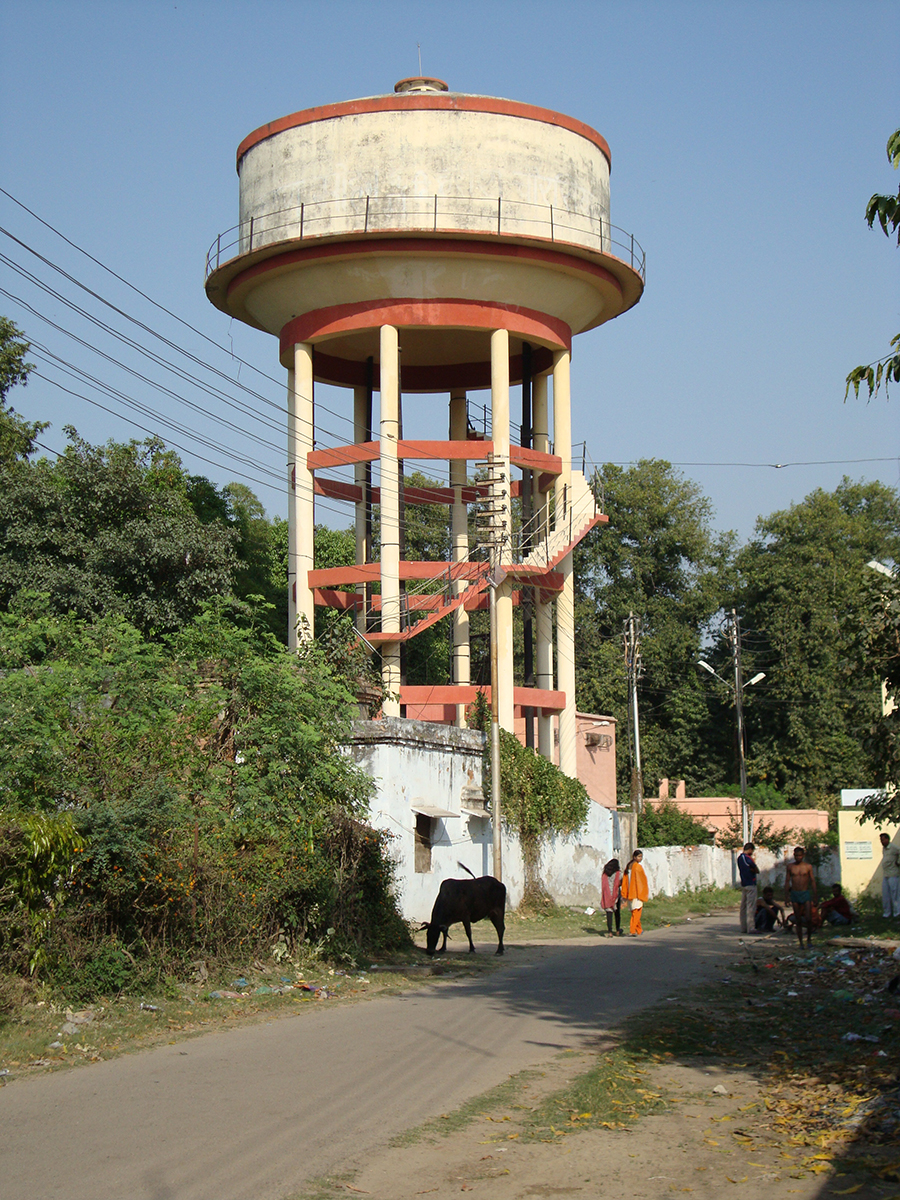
<point>425,246</point>
<point>442,101</point>
<point>409,312</point>
<point>469,376</point>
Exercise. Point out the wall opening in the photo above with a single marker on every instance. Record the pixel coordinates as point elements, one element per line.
<point>424,826</point>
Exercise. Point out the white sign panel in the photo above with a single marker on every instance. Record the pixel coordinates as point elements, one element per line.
<point>858,850</point>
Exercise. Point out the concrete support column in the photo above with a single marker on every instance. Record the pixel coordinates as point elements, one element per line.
<point>390,517</point>
<point>543,611</point>
<point>502,504</point>
<point>301,504</point>
<point>459,549</point>
<point>565,604</point>
<point>360,430</point>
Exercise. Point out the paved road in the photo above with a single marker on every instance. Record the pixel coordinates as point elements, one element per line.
<point>251,1113</point>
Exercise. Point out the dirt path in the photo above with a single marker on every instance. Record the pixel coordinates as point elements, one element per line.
<point>256,1113</point>
<point>688,1150</point>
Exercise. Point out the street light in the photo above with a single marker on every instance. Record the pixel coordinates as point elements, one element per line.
<point>738,688</point>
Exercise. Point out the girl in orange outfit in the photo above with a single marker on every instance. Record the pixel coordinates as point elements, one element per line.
<point>635,890</point>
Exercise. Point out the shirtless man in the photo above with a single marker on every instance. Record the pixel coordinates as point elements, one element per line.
<point>800,890</point>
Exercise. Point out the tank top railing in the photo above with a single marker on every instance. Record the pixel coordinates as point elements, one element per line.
<point>432,214</point>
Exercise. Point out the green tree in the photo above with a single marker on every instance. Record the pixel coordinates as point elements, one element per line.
<point>886,211</point>
<point>17,436</point>
<point>258,573</point>
<point>802,592</point>
<point>204,778</point>
<point>659,558</point>
<point>880,636</point>
<point>111,528</point>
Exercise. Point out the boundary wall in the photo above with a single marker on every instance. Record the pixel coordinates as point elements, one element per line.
<point>429,776</point>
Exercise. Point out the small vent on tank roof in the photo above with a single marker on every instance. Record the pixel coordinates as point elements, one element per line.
<point>420,84</point>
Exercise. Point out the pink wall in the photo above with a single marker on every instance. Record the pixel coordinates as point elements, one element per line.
<point>716,811</point>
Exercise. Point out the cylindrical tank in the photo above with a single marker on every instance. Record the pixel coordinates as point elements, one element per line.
<point>425,196</point>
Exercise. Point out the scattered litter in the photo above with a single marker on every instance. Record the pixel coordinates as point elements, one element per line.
<point>589,912</point>
<point>5,1071</point>
<point>793,993</point>
<point>74,1020</point>
<point>240,983</point>
<point>721,1090</point>
<point>228,995</point>
<point>149,1007</point>
<point>55,1046</point>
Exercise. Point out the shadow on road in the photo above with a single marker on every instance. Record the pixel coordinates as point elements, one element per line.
<point>581,988</point>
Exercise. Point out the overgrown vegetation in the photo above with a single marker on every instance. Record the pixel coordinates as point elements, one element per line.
<point>179,799</point>
<point>665,824</point>
<point>537,799</point>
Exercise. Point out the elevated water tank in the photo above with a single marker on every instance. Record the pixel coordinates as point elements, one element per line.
<point>430,197</point>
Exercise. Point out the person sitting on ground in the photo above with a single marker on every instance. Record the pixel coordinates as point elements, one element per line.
<point>769,912</point>
<point>837,910</point>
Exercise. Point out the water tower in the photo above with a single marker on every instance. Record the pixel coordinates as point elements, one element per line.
<point>417,246</point>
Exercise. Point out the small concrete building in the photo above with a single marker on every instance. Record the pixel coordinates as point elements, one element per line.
<point>861,844</point>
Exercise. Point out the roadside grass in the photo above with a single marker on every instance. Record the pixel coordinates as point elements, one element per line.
<point>557,921</point>
<point>40,1031</point>
<point>611,1094</point>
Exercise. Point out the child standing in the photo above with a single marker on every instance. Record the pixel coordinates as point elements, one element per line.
<point>611,895</point>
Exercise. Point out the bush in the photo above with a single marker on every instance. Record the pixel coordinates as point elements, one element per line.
<point>160,804</point>
<point>665,824</point>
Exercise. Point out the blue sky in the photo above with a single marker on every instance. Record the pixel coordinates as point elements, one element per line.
<point>746,140</point>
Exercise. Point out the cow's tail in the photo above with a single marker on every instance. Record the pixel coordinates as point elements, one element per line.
<point>463,867</point>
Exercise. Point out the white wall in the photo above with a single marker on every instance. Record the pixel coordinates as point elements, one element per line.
<point>673,869</point>
<point>423,763</point>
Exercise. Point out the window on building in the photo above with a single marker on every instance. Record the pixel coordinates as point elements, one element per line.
<point>424,826</point>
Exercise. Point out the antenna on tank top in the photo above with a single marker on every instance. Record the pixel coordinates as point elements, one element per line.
<point>419,48</point>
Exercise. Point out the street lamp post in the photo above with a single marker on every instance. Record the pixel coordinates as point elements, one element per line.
<point>738,689</point>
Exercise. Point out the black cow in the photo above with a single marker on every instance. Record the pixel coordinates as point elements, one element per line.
<point>466,900</point>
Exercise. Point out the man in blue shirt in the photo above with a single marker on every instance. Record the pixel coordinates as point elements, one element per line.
<point>749,871</point>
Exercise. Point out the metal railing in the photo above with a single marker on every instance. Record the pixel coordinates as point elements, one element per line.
<point>425,214</point>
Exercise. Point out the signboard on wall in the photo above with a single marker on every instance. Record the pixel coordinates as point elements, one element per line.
<point>858,850</point>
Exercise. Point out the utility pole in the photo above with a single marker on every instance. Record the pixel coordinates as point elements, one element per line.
<point>734,633</point>
<point>633,666</point>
